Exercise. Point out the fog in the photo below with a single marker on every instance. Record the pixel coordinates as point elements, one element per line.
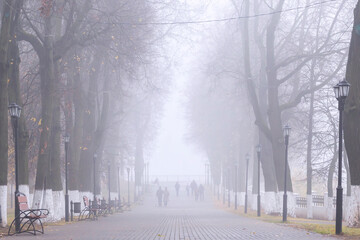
<point>249,107</point>
<point>173,154</point>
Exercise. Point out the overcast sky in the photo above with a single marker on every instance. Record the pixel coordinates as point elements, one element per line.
<point>173,154</point>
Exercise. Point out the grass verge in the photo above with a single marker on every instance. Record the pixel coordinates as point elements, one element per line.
<point>311,225</point>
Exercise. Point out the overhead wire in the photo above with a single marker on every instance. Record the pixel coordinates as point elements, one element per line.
<point>210,20</point>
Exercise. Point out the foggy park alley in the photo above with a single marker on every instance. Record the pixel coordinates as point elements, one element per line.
<point>183,219</point>
<point>102,102</point>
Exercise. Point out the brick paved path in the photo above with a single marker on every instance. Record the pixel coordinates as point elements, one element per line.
<point>183,219</point>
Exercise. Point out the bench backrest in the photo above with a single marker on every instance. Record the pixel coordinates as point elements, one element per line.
<point>86,201</point>
<point>23,204</point>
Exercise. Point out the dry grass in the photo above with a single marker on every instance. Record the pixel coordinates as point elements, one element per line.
<point>317,226</point>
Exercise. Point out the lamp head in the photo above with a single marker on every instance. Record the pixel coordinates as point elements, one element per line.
<point>258,148</point>
<point>67,138</point>
<point>344,88</point>
<point>14,110</point>
<point>287,130</point>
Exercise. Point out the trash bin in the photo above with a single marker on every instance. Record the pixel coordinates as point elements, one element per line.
<point>77,207</point>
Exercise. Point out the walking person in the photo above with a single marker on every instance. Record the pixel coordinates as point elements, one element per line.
<point>188,190</point>
<point>166,197</point>
<point>201,192</point>
<point>193,186</point>
<point>196,192</point>
<point>177,187</point>
<point>159,195</point>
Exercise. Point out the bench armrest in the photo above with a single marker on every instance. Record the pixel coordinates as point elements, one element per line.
<point>37,212</point>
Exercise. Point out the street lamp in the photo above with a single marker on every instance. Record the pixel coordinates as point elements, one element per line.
<point>258,151</point>
<point>109,169</point>
<point>128,172</point>
<point>229,183</point>
<point>94,163</point>
<point>119,196</point>
<point>247,156</point>
<point>15,112</point>
<point>341,91</point>
<point>235,185</point>
<point>67,139</point>
<point>223,183</point>
<point>286,130</point>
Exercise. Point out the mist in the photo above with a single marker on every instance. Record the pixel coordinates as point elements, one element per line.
<point>179,119</point>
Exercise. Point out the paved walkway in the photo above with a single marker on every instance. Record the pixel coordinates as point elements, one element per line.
<point>183,219</point>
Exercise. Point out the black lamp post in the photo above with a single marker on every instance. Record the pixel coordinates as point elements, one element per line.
<point>246,180</point>
<point>258,151</point>
<point>147,176</point>
<point>15,112</point>
<point>341,92</point>
<point>135,184</point>
<point>235,185</point>
<point>287,130</point>
<point>67,139</point>
<point>94,162</point>
<point>128,172</point>
<point>119,196</point>
<point>109,169</point>
<point>224,187</point>
<point>229,183</point>
<point>205,174</point>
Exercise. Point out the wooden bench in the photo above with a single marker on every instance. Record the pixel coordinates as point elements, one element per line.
<point>90,211</point>
<point>27,218</point>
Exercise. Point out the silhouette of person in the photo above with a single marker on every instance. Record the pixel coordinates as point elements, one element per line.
<point>159,195</point>
<point>193,187</point>
<point>188,190</point>
<point>177,187</point>
<point>166,197</point>
<point>196,192</point>
<point>201,192</point>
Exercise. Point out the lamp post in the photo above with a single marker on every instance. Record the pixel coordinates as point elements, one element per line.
<point>119,196</point>
<point>287,130</point>
<point>94,163</point>
<point>15,112</point>
<point>205,173</point>
<point>246,180</point>
<point>223,184</point>
<point>235,185</point>
<point>229,183</point>
<point>258,151</point>
<point>135,185</point>
<point>341,91</point>
<point>128,172</point>
<point>67,139</point>
<point>109,169</point>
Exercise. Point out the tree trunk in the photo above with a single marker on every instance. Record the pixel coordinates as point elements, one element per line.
<point>331,172</point>
<point>352,107</point>
<point>55,182</point>
<point>348,183</point>
<point>4,43</point>
<point>89,127</point>
<point>139,158</point>
<point>351,120</point>
<point>76,174</point>
<point>47,78</point>
<point>267,162</point>
<point>274,112</point>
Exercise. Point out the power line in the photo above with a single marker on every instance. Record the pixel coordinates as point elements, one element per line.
<point>226,19</point>
<point>208,20</point>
